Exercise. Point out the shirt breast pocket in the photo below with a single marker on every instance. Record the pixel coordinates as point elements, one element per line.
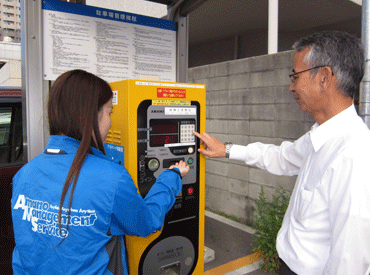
<point>304,204</point>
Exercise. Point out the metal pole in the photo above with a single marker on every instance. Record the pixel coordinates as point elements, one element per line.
<point>182,47</point>
<point>34,89</point>
<point>179,12</point>
<point>273,26</point>
<point>364,104</point>
<point>182,41</point>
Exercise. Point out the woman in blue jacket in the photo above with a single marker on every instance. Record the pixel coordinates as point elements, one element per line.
<point>72,205</point>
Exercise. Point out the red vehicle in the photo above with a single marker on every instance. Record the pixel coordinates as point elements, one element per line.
<point>11,160</point>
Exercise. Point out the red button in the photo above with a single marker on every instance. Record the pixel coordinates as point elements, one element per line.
<point>190,191</point>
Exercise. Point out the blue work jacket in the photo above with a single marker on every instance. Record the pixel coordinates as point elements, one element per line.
<point>105,207</point>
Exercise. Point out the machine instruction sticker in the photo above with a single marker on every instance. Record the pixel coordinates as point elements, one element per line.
<point>171,102</point>
<point>171,93</point>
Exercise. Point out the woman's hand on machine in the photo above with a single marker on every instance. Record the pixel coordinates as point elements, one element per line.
<point>184,169</point>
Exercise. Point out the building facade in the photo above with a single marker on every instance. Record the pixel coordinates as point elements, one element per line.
<point>10,21</point>
<point>10,64</point>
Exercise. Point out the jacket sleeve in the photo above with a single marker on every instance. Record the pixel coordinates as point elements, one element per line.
<point>285,159</point>
<point>135,216</point>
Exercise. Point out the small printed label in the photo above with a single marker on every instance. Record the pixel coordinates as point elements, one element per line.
<point>115,98</point>
<point>177,85</point>
<point>180,111</point>
<point>171,102</point>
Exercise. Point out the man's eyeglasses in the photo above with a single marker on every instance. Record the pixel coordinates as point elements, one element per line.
<point>293,77</point>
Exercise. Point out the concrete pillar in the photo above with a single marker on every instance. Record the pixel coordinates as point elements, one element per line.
<point>236,47</point>
<point>273,26</point>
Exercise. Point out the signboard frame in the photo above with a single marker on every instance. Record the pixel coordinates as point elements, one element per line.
<point>113,45</point>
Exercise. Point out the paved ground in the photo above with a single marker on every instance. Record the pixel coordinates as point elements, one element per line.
<point>230,241</point>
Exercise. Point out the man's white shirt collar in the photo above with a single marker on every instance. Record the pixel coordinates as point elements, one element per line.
<point>333,127</point>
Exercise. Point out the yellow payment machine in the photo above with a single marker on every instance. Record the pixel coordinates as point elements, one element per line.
<point>152,122</point>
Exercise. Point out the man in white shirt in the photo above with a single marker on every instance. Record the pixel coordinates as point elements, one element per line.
<point>326,229</point>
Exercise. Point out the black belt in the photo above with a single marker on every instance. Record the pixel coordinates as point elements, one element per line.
<point>284,269</point>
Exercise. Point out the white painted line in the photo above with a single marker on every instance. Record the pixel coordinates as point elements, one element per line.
<point>245,269</point>
<point>227,221</point>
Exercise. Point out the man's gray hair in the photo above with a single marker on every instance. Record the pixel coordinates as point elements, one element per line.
<point>342,52</point>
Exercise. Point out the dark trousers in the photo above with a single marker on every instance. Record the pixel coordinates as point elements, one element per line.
<point>284,269</point>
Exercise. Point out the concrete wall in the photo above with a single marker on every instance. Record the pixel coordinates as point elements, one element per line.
<point>248,100</point>
<point>254,43</point>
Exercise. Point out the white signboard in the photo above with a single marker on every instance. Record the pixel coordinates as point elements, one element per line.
<point>110,44</point>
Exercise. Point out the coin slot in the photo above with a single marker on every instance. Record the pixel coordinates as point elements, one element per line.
<point>168,162</point>
<point>172,269</point>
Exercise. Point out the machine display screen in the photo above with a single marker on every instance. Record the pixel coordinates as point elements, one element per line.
<point>160,140</point>
<point>163,132</point>
<point>164,129</point>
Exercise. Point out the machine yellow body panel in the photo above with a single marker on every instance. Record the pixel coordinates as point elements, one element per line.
<point>128,96</point>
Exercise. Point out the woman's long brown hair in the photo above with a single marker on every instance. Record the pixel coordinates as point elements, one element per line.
<point>74,102</point>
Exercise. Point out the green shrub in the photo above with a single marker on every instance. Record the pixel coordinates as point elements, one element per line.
<point>267,222</point>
